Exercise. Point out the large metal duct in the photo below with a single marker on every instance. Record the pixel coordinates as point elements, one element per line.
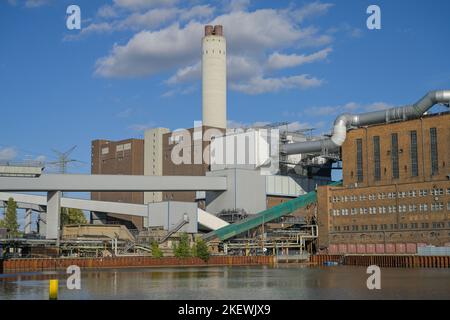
<point>346,121</point>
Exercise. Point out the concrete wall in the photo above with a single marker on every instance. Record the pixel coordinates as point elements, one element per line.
<point>168,215</point>
<point>153,159</point>
<point>283,186</point>
<point>246,190</point>
<point>90,231</point>
<point>246,149</point>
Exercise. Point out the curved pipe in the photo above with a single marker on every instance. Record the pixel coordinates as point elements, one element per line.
<point>346,121</point>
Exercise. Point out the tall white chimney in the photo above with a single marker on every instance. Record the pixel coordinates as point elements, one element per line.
<point>214,77</point>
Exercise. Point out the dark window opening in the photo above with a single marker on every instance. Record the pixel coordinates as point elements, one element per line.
<point>434,152</point>
<point>394,156</point>
<point>413,154</point>
<point>359,160</point>
<point>376,156</point>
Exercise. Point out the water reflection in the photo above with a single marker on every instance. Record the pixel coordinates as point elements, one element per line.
<point>282,282</point>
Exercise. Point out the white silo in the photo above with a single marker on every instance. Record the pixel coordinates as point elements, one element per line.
<point>214,77</point>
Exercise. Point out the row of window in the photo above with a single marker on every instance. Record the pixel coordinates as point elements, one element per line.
<point>219,51</point>
<point>394,155</point>
<point>391,195</point>
<point>392,226</point>
<point>424,207</point>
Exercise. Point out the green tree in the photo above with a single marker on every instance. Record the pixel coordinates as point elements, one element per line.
<point>201,249</point>
<point>72,216</point>
<point>10,220</point>
<point>183,249</point>
<point>156,250</point>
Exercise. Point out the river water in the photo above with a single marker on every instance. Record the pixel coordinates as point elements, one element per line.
<point>239,283</point>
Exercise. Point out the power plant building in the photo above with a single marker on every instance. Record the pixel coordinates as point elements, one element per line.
<point>125,157</point>
<point>395,194</point>
<point>153,159</point>
<point>396,189</point>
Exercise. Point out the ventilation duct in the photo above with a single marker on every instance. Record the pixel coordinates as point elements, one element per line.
<point>347,121</point>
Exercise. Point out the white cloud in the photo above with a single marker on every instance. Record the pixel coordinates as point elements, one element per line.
<point>258,31</point>
<point>356,33</point>
<point>241,68</point>
<point>151,19</point>
<point>233,124</point>
<point>376,106</point>
<point>139,127</point>
<point>254,42</point>
<point>292,126</point>
<point>40,158</point>
<point>107,11</point>
<point>313,38</point>
<point>311,10</point>
<point>36,3</point>
<point>237,5</point>
<point>297,125</point>
<point>139,4</point>
<point>280,61</point>
<point>186,74</point>
<point>125,113</point>
<point>102,27</point>
<point>150,52</point>
<point>260,85</point>
<point>351,107</point>
<point>97,27</point>
<point>245,32</point>
<point>177,91</point>
<point>196,12</point>
<point>8,153</point>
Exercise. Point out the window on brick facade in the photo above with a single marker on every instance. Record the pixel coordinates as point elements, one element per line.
<point>434,151</point>
<point>359,160</point>
<point>376,156</point>
<point>413,154</point>
<point>394,156</point>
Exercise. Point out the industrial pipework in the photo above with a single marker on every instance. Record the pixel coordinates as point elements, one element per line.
<point>347,121</point>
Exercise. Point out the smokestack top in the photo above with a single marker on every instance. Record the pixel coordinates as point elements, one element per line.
<point>216,30</point>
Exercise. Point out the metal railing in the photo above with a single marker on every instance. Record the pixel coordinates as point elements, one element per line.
<point>31,163</point>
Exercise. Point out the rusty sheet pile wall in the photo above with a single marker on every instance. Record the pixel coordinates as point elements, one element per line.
<point>28,265</point>
<point>393,261</point>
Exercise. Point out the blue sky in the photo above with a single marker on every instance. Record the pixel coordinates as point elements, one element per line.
<point>134,65</point>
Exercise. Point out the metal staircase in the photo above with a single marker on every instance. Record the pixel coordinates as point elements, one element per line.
<point>178,226</point>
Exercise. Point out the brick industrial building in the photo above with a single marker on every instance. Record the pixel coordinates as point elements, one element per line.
<point>151,156</point>
<point>396,189</point>
<point>125,157</point>
<point>192,148</point>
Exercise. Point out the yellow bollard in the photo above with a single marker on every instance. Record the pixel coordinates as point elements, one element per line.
<point>53,289</point>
